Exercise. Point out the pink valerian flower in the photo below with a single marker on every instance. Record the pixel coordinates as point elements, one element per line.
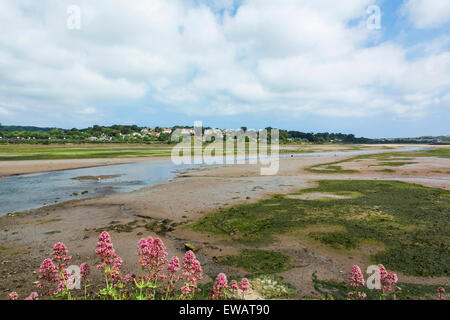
<point>129,278</point>
<point>185,290</point>
<point>383,273</point>
<point>234,287</point>
<point>53,279</point>
<point>49,275</point>
<point>172,269</point>
<point>65,281</point>
<point>13,296</point>
<point>110,262</point>
<point>60,256</point>
<point>85,271</point>
<point>32,296</point>
<point>244,287</point>
<point>153,255</point>
<point>356,278</point>
<point>441,291</point>
<point>105,251</point>
<point>115,270</point>
<point>388,280</point>
<point>357,295</point>
<point>191,269</point>
<point>219,289</point>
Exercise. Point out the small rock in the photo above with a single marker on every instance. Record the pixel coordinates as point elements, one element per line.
<point>188,246</point>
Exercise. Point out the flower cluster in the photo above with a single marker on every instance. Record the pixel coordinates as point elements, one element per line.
<point>159,278</point>
<point>223,290</point>
<point>220,286</point>
<point>110,262</point>
<point>172,270</point>
<point>388,281</point>
<point>441,291</point>
<point>53,275</point>
<point>60,256</point>
<point>13,296</point>
<point>32,296</point>
<point>153,255</point>
<point>85,272</point>
<point>356,280</point>
<point>192,270</point>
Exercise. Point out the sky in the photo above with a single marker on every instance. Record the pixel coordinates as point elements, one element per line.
<point>314,66</point>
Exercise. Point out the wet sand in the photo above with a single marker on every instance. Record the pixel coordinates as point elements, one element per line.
<point>28,238</point>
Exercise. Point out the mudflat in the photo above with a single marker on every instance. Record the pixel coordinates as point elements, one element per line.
<point>27,238</point>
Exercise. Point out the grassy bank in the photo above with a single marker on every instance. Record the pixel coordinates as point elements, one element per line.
<point>27,152</point>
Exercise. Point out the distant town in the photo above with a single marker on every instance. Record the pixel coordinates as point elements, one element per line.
<point>152,135</point>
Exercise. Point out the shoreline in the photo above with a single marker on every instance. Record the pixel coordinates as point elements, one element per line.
<point>20,167</point>
<point>16,168</point>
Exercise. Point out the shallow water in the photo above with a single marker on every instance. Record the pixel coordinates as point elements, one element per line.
<point>29,191</point>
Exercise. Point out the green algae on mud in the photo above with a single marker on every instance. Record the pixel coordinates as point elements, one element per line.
<point>411,221</point>
<point>389,158</point>
<point>259,261</point>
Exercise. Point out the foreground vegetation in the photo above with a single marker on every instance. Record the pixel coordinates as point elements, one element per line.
<point>392,289</point>
<point>159,279</point>
<point>409,223</point>
<point>166,280</point>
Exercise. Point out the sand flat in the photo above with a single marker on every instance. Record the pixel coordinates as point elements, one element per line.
<point>183,200</point>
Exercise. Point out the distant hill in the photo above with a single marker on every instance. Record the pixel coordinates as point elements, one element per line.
<point>24,128</point>
<point>134,133</point>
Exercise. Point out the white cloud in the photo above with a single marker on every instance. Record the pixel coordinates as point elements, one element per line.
<point>4,112</point>
<point>427,13</point>
<point>297,56</point>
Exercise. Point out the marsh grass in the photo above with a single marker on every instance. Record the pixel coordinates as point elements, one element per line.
<point>259,261</point>
<point>330,168</point>
<point>388,158</point>
<point>49,233</point>
<point>387,171</point>
<point>392,164</point>
<point>25,152</point>
<point>443,152</point>
<point>412,222</point>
